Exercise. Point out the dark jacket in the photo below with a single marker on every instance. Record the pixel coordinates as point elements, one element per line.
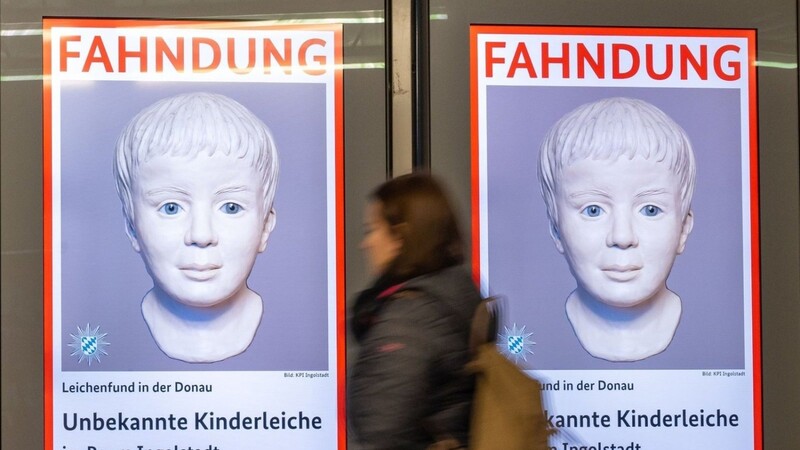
<point>408,386</point>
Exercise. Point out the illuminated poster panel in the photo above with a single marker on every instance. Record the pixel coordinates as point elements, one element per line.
<point>615,200</point>
<point>193,231</point>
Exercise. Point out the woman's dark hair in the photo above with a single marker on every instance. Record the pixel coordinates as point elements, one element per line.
<point>420,214</point>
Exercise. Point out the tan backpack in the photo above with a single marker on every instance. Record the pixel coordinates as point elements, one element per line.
<point>507,411</point>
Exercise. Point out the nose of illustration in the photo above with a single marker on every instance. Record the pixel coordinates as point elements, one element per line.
<point>200,231</point>
<point>621,233</point>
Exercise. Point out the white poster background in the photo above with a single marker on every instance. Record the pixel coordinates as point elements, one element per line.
<point>594,409</point>
<point>281,409</point>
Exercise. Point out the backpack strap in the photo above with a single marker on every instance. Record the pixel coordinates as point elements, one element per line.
<point>485,321</point>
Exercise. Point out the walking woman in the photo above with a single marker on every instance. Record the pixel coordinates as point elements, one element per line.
<point>408,387</point>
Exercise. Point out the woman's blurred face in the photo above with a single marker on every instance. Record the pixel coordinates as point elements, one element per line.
<point>380,245</point>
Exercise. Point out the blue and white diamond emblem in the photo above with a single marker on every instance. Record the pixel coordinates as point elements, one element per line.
<point>89,344</point>
<point>515,343</point>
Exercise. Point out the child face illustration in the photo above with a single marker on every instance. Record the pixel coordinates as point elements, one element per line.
<point>199,225</point>
<point>620,227</point>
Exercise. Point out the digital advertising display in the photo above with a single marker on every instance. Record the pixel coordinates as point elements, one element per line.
<point>615,207</point>
<point>194,259</point>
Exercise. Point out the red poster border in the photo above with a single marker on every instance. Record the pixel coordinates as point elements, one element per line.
<point>755,263</point>
<point>47,189</point>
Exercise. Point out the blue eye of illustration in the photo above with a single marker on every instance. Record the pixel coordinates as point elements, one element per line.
<point>170,208</point>
<point>650,210</point>
<point>592,211</point>
<point>231,208</point>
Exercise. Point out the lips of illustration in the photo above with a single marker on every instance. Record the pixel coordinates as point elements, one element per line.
<point>622,272</point>
<point>200,272</point>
